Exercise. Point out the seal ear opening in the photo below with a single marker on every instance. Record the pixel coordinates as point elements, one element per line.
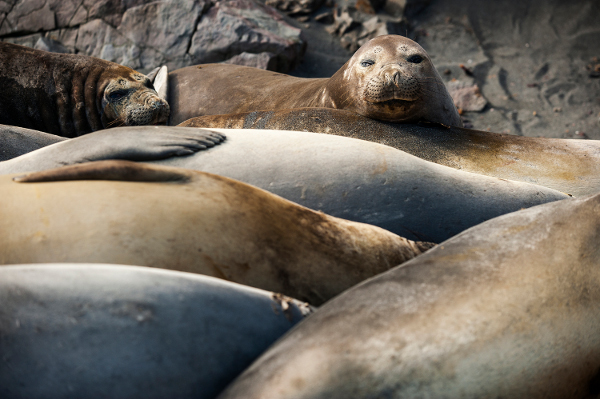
<point>110,170</point>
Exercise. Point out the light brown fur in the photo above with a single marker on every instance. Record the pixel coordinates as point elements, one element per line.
<point>190,221</point>
<point>390,78</point>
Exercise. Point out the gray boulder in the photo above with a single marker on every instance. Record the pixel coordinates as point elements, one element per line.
<point>142,34</point>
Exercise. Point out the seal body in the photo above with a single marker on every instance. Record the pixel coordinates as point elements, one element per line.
<point>70,95</point>
<point>185,220</point>
<point>93,330</point>
<point>509,308</point>
<point>389,78</point>
<point>343,177</point>
<point>131,143</point>
<point>573,166</point>
<point>16,141</point>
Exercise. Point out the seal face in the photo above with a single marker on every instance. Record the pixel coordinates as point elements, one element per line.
<point>392,78</point>
<point>133,102</point>
<point>70,95</point>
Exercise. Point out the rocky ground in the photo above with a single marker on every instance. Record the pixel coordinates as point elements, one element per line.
<point>516,66</point>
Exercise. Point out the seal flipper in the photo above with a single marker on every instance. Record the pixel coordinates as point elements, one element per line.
<point>161,82</point>
<point>110,170</point>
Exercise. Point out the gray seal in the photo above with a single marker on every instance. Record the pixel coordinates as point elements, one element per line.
<point>71,94</point>
<point>93,330</point>
<point>507,309</point>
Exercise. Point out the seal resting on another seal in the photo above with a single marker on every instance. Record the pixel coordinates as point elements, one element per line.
<point>389,78</point>
<point>70,95</point>
<point>126,213</point>
<point>344,177</point>
<point>573,168</point>
<point>507,309</point>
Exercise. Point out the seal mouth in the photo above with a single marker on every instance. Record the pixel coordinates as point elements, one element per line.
<point>395,103</point>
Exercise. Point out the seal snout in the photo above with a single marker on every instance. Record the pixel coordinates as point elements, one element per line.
<point>392,83</point>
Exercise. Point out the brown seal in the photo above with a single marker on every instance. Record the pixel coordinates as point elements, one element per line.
<point>70,95</point>
<point>389,78</point>
<point>179,219</point>
<point>507,309</point>
<point>573,168</point>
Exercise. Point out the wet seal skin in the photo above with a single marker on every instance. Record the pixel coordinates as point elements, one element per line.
<point>507,309</point>
<point>389,78</point>
<point>132,213</point>
<point>116,331</point>
<point>569,166</point>
<point>70,95</point>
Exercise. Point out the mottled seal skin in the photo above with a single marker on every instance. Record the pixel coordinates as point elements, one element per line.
<point>70,95</point>
<point>570,166</point>
<point>507,309</point>
<point>389,78</point>
<point>131,143</point>
<point>352,179</point>
<point>114,331</point>
<point>186,220</point>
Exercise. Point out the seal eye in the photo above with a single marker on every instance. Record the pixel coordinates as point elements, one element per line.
<point>366,63</point>
<point>415,59</point>
<point>117,95</point>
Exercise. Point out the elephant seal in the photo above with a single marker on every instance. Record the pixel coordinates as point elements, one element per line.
<point>192,221</point>
<point>90,331</point>
<point>70,95</point>
<point>573,166</point>
<point>389,78</point>
<point>347,178</point>
<point>132,143</point>
<point>16,141</point>
<point>507,309</point>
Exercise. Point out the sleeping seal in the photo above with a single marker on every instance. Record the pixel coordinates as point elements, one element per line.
<point>343,177</point>
<point>70,95</point>
<point>113,331</point>
<point>507,309</point>
<point>389,78</point>
<point>131,213</point>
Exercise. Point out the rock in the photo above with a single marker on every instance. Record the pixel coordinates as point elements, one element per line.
<point>263,60</point>
<point>405,8</point>
<point>467,96</point>
<point>325,17</point>
<point>356,28</point>
<point>143,34</point>
<point>46,44</point>
<point>293,7</point>
<point>235,26</point>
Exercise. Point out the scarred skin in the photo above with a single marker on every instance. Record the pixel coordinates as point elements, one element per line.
<point>178,219</point>
<point>70,95</point>
<point>570,166</point>
<point>390,78</point>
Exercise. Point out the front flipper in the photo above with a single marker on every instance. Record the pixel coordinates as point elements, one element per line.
<point>110,170</point>
<point>132,143</point>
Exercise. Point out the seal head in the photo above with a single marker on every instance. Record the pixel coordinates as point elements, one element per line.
<point>71,94</point>
<point>392,78</point>
<point>132,101</point>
